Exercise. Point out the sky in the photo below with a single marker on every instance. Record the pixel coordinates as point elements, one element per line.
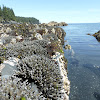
<point>69,11</point>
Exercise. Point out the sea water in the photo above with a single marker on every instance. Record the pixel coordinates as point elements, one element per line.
<point>83,61</point>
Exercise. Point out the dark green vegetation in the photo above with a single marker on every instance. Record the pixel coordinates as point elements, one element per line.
<point>27,20</point>
<point>7,14</point>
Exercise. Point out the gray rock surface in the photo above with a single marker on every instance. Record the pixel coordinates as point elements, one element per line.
<point>9,67</point>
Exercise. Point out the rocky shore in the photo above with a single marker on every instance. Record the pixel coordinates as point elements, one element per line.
<point>97,35</point>
<point>32,63</point>
<point>53,23</point>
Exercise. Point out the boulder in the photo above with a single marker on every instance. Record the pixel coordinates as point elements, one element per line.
<point>8,30</point>
<point>19,38</point>
<point>1,29</point>
<point>4,35</point>
<point>98,37</point>
<point>9,66</point>
<point>37,26</point>
<point>38,36</point>
<point>88,34</point>
<point>46,30</point>
<point>63,24</point>
<point>53,23</point>
<point>53,31</point>
<point>13,41</point>
<point>1,42</point>
<point>67,46</point>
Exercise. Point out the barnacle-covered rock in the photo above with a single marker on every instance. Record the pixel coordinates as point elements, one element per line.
<point>40,72</point>
<point>1,42</point>
<point>44,73</point>
<point>8,30</point>
<point>50,37</point>
<point>19,38</point>
<point>4,35</point>
<point>14,89</point>
<point>26,48</point>
<point>38,36</point>
<point>13,40</point>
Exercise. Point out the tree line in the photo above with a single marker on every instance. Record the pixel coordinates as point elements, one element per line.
<point>27,19</point>
<point>7,14</point>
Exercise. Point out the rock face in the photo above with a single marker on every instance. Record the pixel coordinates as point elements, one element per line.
<point>52,23</point>
<point>9,67</point>
<point>97,35</point>
<point>35,68</point>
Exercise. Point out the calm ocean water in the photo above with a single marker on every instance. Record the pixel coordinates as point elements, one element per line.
<point>83,61</point>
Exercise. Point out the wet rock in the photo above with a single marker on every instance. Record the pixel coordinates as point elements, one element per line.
<point>67,46</point>
<point>97,35</point>
<point>88,34</point>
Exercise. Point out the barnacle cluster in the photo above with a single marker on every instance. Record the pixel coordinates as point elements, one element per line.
<point>44,73</point>
<point>14,89</point>
<point>50,37</point>
<point>7,40</point>
<point>26,48</point>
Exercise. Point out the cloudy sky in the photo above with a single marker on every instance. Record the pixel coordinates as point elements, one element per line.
<point>70,11</point>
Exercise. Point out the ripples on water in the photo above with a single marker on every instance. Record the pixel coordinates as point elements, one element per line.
<point>83,61</point>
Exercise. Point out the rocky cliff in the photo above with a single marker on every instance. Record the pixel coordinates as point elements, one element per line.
<point>33,66</point>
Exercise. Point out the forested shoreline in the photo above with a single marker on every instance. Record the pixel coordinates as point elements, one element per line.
<point>7,14</point>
